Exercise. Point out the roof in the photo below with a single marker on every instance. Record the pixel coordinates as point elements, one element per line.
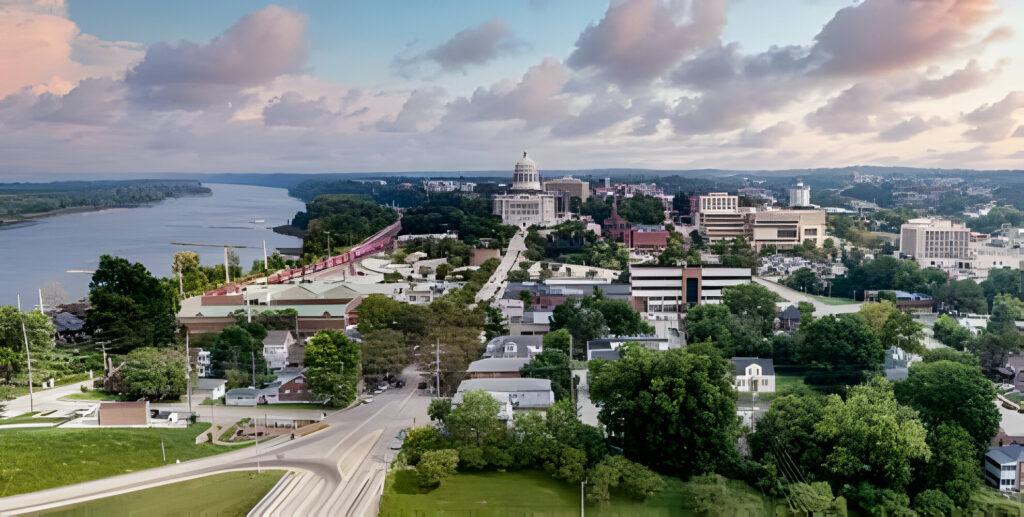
<point>790,313</point>
<point>297,353</point>
<point>142,404</point>
<point>1007,453</point>
<point>767,365</point>
<point>242,392</point>
<point>67,322</point>
<point>209,384</point>
<point>519,340</point>
<point>505,385</point>
<point>626,339</point>
<point>512,364</point>
<point>609,355</point>
<point>277,337</point>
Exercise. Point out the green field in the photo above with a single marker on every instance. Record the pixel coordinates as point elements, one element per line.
<point>34,459</point>
<point>234,493</point>
<point>30,418</point>
<point>833,301</point>
<point>536,494</point>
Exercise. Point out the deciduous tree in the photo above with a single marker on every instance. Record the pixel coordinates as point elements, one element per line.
<point>130,308</point>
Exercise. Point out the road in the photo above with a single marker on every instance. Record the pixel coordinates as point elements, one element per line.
<point>513,256</point>
<point>339,470</point>
<point>46,400</point>
<point>794,297</point>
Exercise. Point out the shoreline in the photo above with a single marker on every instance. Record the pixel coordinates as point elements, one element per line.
<point>22,219</point>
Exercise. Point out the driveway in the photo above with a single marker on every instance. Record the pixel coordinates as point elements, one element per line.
<point>794,297</point>
<point>48,399</point>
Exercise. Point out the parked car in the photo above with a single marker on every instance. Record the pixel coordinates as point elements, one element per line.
<point>396,444</point>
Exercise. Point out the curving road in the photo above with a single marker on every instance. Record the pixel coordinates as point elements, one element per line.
<point>339,470</point>
<point>513,256</point>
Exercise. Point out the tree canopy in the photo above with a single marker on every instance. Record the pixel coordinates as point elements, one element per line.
<point>130,307</point>
<point>332,367</point>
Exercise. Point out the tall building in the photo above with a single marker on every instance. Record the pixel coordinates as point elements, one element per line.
<point>939,243</point>
<point>719,217</point>
<point>674,288</point>
<point>526,204</point>
<point>574,186</point>
<point>800,195</point>
<point>784,229</point>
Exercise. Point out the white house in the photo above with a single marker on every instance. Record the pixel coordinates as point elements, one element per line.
<point>275,348</point>
<point>754,374</point>
<point>1002,467</point>
<point>212,389</point>
<point>512,393</point>
<point>241,397</point>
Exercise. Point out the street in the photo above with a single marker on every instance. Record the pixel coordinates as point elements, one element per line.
<point>513,256</point>
<point>794,297</point>
<point>339,470</point>
<point>48,399</point>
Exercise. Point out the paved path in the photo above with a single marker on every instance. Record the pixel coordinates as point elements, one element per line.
<point>513,256</point>
<point>341,468</point>
<point>793,296</point>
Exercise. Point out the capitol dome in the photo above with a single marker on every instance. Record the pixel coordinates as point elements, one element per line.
<point>525,177</point>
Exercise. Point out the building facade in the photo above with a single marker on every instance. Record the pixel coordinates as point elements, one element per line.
<point>574,186</point>
<point>526,204</point>
<point>784,229</point>
<point>800,195</point>
<point>675,288</point>
<point>938,243</point>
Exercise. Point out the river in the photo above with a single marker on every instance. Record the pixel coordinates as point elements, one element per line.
<point>47,249</point>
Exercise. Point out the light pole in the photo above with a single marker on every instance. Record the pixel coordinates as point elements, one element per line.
<point>28,357</point>
<point>328,243</point>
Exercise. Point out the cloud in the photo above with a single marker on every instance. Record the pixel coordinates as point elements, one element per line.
<point>1019,133</point>
<point>421,110</point>
<point>601,113</point>
<point>535,99</point>
<point>969,77</point>
<point>995,121</point>
<point>291,109</point>
<point>905,130</point>
<point>877,36</point>
<point>855,110</point>
<point>259,47</point>
<point>639,40</point>
<point>470,47</point>
<point>770,136</point>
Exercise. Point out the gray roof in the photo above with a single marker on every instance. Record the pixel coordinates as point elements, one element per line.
<point>494,364</point>
<point>505,385</point>
<point>209,384</point>
<point>496,346</point>
<point>67,322</point>
<point>897,374</point>
<point>790,313</point>
<point>600,342</point>
<point>767,365</point>
<point>242,392</point>
<point>1007,454</point>
<point>613,291</point>
<point>276,337</point>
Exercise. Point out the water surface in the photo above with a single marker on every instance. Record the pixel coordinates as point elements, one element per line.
<point>44,250</point>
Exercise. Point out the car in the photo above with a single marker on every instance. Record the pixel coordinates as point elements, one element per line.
<point>399,384</point>
<point>382,386</point>
<point>368,400</point>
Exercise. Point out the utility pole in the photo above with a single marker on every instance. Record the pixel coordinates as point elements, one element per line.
<point>582,483</point>
<point>188,377</point>
<point>266,263</point>
<point>328,244</point>
<point>227,267</point>
<point>572,383</point>
<point>252,357</point>
<point>437,367</point>
<point>42,308</point>
<point>256,433</point>
<point>28,357</point>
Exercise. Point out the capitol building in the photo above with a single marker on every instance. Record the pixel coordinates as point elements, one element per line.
<point>527,203</point>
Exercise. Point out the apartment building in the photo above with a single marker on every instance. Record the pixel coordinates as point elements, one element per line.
<point>938,243</point>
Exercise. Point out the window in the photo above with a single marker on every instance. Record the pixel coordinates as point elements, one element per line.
<point>786,234</point>
<point>764,382</point>
<point>1009,468</point>
<point>286,392</point>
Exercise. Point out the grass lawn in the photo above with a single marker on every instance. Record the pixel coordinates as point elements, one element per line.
<point>34,459</point>
<point>91,395</point>
<point>833,301</point>
<point>534,493</point>
<point>233,493</point>
<point>30,418</point>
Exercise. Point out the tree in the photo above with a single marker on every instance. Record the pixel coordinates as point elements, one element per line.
<point>518,275</point>
<point>384,351</point>
<point>130,308</point>
<point>419,440</point>
<point>951,333</point>
<point>558,340</point>
<point>584,323</point>
<point>902,331</point>
<point>806,312</point>
<point>332,367</point>
<point>496,323</point>
<point>683,393</point>
<point>236,349</point>
<point>933,503</point>
<point>527,297</point>
<point>621,319</point>
<point>377,311</point>
<point>948,354</point>
<point>789,426</point>
<point>946,391</point>
<point>475,420</point>
<point>752,301</point>
<point>954,468</point>
<point>633,479</point>
<point>435,466</point>
<point>40,332</point>
<point>439,409</point>
<point>153,374</point>
<point>875,314</point>
<point>874,438</point>
<point>839,342</point>
<point>963,295</point>
<point>551,364</point>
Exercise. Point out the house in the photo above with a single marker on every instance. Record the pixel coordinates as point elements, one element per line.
<point>1003,466</point>
<point>512,393</point>
<point>297,355</point>
<point>122,414</point>
<point>290,386</point>
<point>212,389</point>
<point>495,368</point>
<point>754,374</point>
<point>199,360</point>
<point>70,328</point>
<point>275,348</point>
<point>534,323</point>
<point>608,347</point>
<point>515,346</point>
<point>897,364</point>
<point>788,319</point>
<point>241,397</point>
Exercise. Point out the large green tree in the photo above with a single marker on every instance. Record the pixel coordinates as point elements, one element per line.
<point>946,391</point>
<point>873,438</point>
<point>551,364</point>
<point>674,411</point>
<point>839,342</point>
<point>12,342</point>
<point>332,367</point>
<point>384,351</point>
<point>786,432</point>
<point>153,374</point>
<point>130,308</point>
<point>951,333</point>
<point>954,467</point>
<point>752,301</point>
<point>237,349</point>
<point>475,420</point>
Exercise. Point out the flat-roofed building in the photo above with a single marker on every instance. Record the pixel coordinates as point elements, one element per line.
<point>719,217</point>
<point>123,414</point>
<point>675,288</point>
<point>784,229</point>
<point>574,186</point>
<point>496,368</point>
<point>938,243</point>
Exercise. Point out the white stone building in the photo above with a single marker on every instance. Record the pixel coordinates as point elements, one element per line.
<point>527,204</point>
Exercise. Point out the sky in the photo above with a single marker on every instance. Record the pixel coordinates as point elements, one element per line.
<point>91,87</point>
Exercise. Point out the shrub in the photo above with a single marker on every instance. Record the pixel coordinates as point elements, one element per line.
<point>435,466</point>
